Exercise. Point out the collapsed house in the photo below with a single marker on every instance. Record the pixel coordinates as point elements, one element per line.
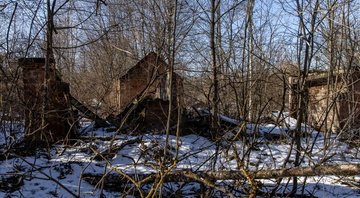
<point>142,95</point>
<point>146,85</point>
<point>152,73</point>
<point>333,101</point>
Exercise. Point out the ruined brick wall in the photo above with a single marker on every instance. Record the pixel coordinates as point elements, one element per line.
<point>322,105</point>
<point>331,108</point>
<point>322,108</point>
<point>349,103</point>
<point>156,115</point>
<point>57,110</point>
<point>137,78</point>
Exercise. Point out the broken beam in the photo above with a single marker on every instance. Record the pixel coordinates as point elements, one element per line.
<point>87,112</point>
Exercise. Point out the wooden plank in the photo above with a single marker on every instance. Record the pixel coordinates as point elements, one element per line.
<point>87,112</point>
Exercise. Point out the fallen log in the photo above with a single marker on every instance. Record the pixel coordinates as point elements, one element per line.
<point>337,169</point>
<point>212,176</point>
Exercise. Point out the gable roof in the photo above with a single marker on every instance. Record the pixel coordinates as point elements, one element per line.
<point>151,55</point>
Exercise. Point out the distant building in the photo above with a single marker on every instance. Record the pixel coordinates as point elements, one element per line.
<point>150,77</point>
<point>150,71</point>
<point>333,103</point>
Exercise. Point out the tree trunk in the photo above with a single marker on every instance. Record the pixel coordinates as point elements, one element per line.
<point>43,136</point>
<point>250,66</point>
<point>214,70</point>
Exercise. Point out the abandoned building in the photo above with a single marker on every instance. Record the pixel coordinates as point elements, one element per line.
<point>150,79</point>
<point>333,103</point>
<point>151,72</point>
<point>57,109</point>
<point>145,85</point>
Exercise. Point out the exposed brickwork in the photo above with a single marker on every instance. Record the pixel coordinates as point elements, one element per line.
<point>330,108</point>
<point>33,79</point>
<point>156,115</point>
<point>131,85</point>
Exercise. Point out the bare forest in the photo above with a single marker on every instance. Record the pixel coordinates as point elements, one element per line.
<point>179,98</point>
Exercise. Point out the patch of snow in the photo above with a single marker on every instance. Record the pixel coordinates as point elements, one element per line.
<point>66,163</point>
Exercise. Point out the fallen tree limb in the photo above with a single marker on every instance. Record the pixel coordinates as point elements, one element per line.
<point>337,169</point>
<point>207,177</point>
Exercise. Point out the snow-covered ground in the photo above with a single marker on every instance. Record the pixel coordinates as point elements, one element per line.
<point>67,164</point>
